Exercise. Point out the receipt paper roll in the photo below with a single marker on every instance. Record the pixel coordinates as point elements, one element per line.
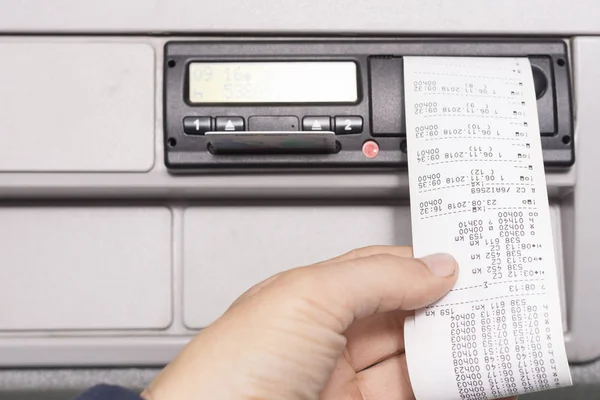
<point>478,192</point>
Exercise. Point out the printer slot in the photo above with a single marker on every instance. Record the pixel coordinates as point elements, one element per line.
<point>271,142</point>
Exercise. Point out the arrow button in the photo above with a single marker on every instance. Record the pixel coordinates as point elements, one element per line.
<point>316,124</point>
<point>230,124</point>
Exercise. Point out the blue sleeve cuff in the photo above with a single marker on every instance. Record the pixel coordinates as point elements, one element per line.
<point>108,392</point>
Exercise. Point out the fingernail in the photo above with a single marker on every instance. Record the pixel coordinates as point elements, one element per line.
<point>442,265</point>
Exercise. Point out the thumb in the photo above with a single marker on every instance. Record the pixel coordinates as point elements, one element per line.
<point>357,288</point>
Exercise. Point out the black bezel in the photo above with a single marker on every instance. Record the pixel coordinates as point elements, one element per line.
<point>189,152</point>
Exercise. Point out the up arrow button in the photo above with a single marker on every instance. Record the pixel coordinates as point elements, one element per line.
<point>316,124</point>
<point>230,124</point>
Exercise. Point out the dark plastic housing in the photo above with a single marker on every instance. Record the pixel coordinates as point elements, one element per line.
<point>381,100</point>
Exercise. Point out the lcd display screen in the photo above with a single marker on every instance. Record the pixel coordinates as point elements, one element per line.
<point>273,82</point>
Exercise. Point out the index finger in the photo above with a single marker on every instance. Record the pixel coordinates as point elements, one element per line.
<point>362,252</point>
<point>364,286</point>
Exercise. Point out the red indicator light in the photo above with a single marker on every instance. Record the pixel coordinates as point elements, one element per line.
<point>370,149</point>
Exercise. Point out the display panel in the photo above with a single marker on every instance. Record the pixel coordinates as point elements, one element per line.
<point>273,82</point>
<point>379,105</point>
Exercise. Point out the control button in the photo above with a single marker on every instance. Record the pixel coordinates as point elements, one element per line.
<point>347,124</point>
<point>316,124</point>
<point>230,124</point>
<point>196,125</point>
<point>370,149</point>
<point>273,124</point>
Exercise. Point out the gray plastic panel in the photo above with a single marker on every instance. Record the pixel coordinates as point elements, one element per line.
<point>73,107</point>
<point>70,350</point>
<point>581,212</point>
<point>64,384</point>
<point>207,274</point>
<point>304,16</point>
<point>147,347</point>
<point>229,249</point>
<point>85,268</point>
<point>159,183</point>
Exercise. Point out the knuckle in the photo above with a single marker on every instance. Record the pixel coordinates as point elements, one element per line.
<point>365,251</point>
<point>359,252</point>
<point>297,277</point>
<point>386,259</point>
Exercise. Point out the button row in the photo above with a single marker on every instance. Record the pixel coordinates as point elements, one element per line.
<point>342,125</point>
<point>201,125</point>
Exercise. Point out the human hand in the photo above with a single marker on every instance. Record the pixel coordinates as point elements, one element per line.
<point>332,330</point>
